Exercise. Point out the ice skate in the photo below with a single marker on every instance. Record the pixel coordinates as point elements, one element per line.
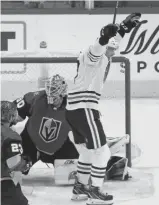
<point>80,191</point>
<point>97,197</point>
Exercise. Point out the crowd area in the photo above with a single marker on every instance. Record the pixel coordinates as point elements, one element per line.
<point>73,4</point>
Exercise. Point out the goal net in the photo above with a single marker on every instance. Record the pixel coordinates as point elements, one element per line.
<point>27,71</point>
<point>26,77</point>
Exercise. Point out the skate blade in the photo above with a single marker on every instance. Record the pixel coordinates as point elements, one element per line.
<point>79,197</point>
<point>99,202</point>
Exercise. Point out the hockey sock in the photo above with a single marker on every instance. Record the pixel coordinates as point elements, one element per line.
<point>100,159</point>
<point>84,165</point>
<point>83,172</point>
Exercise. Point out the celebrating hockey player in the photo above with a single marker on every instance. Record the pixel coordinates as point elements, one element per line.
<point>82,111</point>
<point>45,136</point>
<point>12,161</point>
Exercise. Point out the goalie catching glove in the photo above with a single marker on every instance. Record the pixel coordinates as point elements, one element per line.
<point>117,169</point>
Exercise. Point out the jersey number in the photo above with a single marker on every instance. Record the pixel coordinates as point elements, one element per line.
<point>17,148</point>
<point>20,102</point>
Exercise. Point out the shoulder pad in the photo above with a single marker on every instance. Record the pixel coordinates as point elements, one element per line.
<point>31,96</point>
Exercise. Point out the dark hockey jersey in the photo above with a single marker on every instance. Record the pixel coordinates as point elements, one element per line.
<point>10,146</point>
<point>46,126</point>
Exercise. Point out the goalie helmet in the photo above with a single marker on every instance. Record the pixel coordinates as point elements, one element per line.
<point>9,113</point>
<point>56,90</point>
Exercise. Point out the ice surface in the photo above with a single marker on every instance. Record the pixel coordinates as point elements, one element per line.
<point>144,125</point>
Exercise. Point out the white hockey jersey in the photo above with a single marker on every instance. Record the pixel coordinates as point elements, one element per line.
<point>89,81</point>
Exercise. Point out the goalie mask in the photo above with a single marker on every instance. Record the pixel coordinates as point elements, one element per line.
<point>56,90</point>
<point>9,113</point>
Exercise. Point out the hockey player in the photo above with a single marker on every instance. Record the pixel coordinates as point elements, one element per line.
<point>11,158</point>
<point>82,111</point>
<point>45,135</point>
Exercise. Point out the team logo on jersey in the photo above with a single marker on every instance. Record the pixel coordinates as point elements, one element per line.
<point>49,129</point>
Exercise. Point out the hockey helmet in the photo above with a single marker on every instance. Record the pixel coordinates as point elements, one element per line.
<point>9,113</point>
<point>56,89</point>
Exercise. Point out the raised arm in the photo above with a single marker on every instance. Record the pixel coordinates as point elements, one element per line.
<point>95,52</point>
<point>110,37</point>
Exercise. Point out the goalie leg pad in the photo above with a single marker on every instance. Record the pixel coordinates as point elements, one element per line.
<point>65,171</point>
<point>117,169</point>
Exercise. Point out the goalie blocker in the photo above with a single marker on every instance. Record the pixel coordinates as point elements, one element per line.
<point>65,170</point>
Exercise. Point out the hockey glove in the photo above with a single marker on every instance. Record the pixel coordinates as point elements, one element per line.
<point>107,32</point>
<point>130,22</point>
<point>27,164</point>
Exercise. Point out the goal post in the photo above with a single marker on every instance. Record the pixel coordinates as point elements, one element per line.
<point>45,60</point>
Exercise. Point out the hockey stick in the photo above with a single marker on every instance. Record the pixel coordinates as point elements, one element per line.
<point>109,62</point>
<point>114,19</point>
<point>115,12</point>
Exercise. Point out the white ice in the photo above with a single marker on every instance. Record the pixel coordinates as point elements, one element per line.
<point>144,125</point>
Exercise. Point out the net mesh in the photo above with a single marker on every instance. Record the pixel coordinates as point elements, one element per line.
<point>32,72</point>
<point>33,77</point>
<point>17,79</point>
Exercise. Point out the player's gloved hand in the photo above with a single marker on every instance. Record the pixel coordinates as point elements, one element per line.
<point>130,22</point>
<point>27,164</point>
<point>107,32</point>
<point>24,165</point>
